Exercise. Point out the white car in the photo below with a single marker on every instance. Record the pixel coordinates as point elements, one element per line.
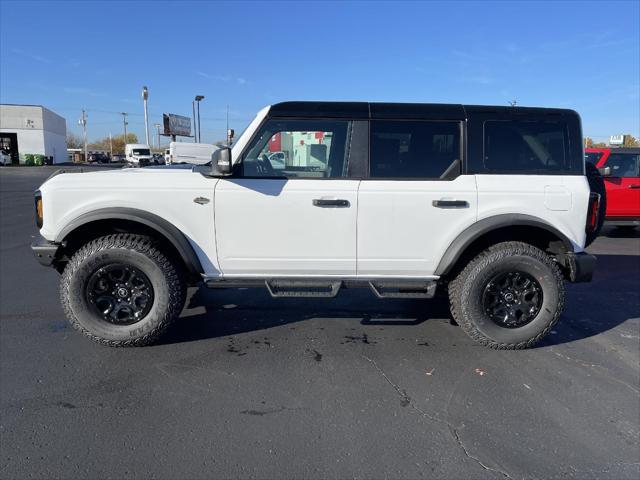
<point>489,204</point>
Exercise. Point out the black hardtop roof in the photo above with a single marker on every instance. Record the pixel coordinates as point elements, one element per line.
<point>366,110</point>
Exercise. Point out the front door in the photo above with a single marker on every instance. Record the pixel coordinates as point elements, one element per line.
<point>289,209</point>
<point>414,200</point>
<point>623,185</point>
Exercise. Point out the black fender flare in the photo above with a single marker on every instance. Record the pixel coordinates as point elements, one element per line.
<point>159,224</point>
<point>486,225</point>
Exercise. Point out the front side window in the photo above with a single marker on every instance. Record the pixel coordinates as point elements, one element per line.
<point>298,149</point>
<point>413,149</point>
<point>623,165</point>
<point>526,147</point>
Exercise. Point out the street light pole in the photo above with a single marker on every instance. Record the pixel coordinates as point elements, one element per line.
<point>198,99</point>
<point>157,125</point>
<point>195,128</point>
<point>145,97</point>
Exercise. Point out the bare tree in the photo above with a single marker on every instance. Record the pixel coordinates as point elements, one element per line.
<point>74,141</point>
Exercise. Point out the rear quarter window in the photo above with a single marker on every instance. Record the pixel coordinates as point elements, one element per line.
<point>520,146</point>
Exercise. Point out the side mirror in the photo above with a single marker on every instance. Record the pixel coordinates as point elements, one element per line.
<point>605,171</point>
<point>221,161</point>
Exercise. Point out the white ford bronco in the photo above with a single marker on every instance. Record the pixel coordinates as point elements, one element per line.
<point>488,204</point>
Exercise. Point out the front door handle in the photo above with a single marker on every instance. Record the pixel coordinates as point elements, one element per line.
<point>450,203</point>
<point>331,202</point>
<point>634,186</point>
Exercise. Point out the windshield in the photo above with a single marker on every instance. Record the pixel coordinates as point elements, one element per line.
<point>141,151</point>
<point>593,157</point>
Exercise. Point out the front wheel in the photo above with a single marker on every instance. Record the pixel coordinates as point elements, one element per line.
<point>508,297</point>
<point>122,290</point>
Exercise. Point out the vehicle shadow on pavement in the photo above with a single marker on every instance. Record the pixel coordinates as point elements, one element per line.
<point>237,311</point>
<point>612,298</point>
<point>614,232</point>
<point>591,308</point>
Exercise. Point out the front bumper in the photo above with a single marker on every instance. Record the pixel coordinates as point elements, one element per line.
<point>580,266</point>
<point>46,252</point>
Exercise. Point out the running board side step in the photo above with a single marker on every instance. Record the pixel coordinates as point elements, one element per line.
<point>303,288</point>
<point>403,289</point>
<point>330,287</point>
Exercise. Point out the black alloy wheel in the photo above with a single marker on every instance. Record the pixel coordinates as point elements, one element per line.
<point>121,294</point>
<point>512,299</point>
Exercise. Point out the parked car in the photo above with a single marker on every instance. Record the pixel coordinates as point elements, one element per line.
<point>488,204</point>
<point>158,159</point>
<point>620,168</point>
<point>118,158</point>
<point>98,157</point>
<point>277,160</point>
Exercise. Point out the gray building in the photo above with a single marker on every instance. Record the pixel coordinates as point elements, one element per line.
<point>32,129</point>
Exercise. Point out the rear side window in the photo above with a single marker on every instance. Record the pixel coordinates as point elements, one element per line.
<point>515,146</point>
<point>413,149</point>
<point>623,165</point>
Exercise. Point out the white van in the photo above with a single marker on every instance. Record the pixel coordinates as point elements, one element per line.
<point>138,154</point>
<point>195,153</point>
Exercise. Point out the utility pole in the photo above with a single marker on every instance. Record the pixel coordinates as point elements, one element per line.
<point>227,124</point>
<point>83,122</point>
<point>157,125</point>
<point>110,147</point>
<point>124,121</point>
<point>145,97</point>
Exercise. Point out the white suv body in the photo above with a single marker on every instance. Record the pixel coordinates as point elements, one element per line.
<point>397,197</point>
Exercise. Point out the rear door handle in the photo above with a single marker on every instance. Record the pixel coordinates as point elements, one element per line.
<point>331,202</point>
<point>450,203</point>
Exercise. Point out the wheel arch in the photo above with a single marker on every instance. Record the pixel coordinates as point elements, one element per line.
<point>499,228</point>
<point>109,220</point>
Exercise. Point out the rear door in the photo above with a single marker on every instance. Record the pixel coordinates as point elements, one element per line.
<point>295,216</point>
<point>414,201</point>
<point>623,185</point>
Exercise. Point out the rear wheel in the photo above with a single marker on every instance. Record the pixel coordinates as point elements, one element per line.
<point>122,290</point>
<point>508,297</point>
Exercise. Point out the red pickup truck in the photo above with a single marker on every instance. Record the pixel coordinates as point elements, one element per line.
<point>620,168</point>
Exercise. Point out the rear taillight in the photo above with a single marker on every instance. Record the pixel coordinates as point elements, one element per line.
<point>38,200</point>
<point>593,212</point>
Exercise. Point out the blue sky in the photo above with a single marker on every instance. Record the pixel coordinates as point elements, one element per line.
<point>97,55</point>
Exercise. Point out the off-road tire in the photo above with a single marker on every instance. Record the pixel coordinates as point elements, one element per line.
<point>142,252</point>
<point>465,295</point>
<point>596,185</point>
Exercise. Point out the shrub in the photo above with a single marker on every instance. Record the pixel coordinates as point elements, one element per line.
<point>29,159</point>
<point>38,160</point>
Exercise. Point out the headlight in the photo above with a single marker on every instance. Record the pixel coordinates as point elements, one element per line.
<point>38,200</point>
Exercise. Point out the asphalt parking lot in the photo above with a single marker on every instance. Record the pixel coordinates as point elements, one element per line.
<point>252,387</point>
